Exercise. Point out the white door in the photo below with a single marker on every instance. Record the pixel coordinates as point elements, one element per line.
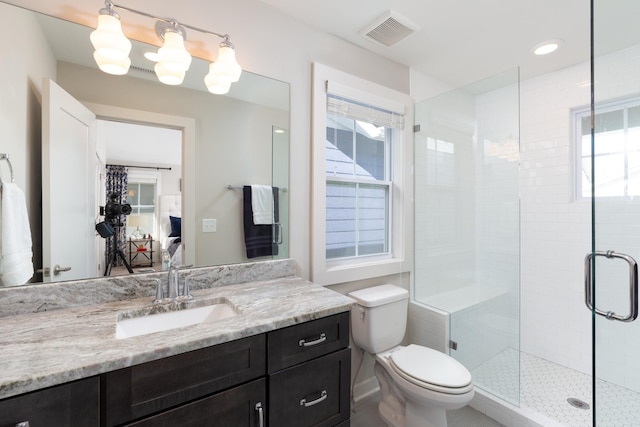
<point>68,188</point>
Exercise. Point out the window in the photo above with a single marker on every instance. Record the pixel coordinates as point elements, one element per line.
<point>616,150</point>
<point>141,195</point>
<point>360,178</point>
<point>358,188</point>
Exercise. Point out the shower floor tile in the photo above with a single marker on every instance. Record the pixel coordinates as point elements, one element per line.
<point>545,387</point>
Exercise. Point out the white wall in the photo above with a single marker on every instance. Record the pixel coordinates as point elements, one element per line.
<point>20,109</point>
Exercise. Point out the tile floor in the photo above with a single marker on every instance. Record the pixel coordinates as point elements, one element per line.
<point>365,414</point>
<point>545,387</point>
<point>541,386</point>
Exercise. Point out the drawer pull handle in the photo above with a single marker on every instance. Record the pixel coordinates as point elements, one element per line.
<point>322,397</point>
<point>305,343</point>
<point>260,414</point>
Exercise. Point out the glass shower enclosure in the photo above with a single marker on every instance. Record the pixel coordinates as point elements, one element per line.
<point>612,166</point>
<point>467,225</point>
<point>527,228</point>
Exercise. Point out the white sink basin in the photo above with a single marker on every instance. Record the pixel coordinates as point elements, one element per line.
<point>158,322</point>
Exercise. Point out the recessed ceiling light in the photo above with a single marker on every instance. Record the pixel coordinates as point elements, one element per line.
<point>546,47</point>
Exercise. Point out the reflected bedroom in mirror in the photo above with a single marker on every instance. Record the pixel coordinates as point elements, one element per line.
<point>123,174</point>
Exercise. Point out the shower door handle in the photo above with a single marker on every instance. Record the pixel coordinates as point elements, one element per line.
<point>633,286</point>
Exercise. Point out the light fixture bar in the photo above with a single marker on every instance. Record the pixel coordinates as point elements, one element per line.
<point>112,50</point>
<point>167,20</point>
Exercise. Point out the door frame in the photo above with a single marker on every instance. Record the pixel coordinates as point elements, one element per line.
<point>188,127</point>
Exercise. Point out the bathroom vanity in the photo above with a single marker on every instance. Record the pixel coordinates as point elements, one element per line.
<point>283,359</point>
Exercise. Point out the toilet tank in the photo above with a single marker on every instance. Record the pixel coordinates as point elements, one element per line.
<point>379,318</point>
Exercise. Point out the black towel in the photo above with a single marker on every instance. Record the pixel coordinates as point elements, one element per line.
<point>258,239</point>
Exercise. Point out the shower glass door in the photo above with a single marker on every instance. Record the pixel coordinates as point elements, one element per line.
<point>611,172</point>
<point>467,225</point>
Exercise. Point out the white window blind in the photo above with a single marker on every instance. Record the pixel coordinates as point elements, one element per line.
<point>351,103</point>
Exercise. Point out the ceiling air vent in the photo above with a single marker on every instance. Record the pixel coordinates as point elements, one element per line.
<point>389,29</point>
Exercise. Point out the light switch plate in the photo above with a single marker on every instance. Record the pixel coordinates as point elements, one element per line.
<point>209,226</point>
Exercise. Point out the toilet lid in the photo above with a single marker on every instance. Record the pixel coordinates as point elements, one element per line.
<point>429,366</point>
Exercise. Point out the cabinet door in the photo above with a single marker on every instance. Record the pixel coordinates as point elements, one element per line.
<point>315,393</point>
<point>75,404</point>
<point>152,387</point>
<point>242,406</point>
<point>306,341</point>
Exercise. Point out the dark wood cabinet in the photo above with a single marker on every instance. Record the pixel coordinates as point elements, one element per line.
<point>242,406</point>
<point>149,388</point>
<point>298,375</point>
<point>305,341</point>
<point>314,393</point>
<point>75,404</point>
<point>309,369</point>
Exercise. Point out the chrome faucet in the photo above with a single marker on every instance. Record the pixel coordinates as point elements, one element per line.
<point>173,286</point>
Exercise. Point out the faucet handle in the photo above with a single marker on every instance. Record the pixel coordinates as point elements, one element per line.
<point>185,294</point>
<point>159,293</point>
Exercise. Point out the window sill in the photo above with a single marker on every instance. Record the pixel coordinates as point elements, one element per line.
<point>341,272</point>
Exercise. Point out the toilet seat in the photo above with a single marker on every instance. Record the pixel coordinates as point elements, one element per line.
<point>431,369</point>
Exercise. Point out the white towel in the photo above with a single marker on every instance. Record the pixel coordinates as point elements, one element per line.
<point>16,266</point>
<point>262,204</point>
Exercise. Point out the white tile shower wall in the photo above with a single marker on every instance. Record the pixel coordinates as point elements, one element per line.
<point>444,200</point>
<point>428,326</point>
<point>483,331</point>
<point>555,229</point>
<point>497,188</point>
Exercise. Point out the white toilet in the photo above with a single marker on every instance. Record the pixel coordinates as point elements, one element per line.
<point>417,384</point>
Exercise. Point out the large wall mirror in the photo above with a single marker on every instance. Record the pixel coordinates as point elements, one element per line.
<point>188,153</point>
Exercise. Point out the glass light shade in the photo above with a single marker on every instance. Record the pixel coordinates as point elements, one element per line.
<point>226,67</point>
<point>116,67</point>
<point>172,55</point>
<point>167,76</point>
<point>108,40</point>
<point>214,83</point>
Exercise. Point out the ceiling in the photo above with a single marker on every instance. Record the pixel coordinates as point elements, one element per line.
<point>463,41</point>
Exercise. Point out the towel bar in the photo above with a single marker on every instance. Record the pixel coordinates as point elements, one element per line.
<point>239,187</point>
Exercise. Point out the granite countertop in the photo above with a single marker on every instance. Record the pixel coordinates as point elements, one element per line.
<point>39,350</point>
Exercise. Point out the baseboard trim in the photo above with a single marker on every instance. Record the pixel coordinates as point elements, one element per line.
<point>365,388</point>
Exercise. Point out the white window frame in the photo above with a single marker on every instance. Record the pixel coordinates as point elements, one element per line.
<point>399,259</point>
<point>142,176</point>
<point>577,114</point>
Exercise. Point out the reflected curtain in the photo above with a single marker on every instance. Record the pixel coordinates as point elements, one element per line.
<point>116,183</point>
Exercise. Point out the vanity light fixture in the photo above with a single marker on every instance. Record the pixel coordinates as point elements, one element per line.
<point>172,60</point>
<point>111,46</point>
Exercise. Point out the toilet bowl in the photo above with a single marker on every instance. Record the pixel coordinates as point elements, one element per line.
<point>417,384</point>
<point>430,382</point>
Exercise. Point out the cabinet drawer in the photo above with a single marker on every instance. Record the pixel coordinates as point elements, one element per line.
<point>236,407</point>
<point>75,404</point>
<point>315,393</point>
<point>152,387</point>
<point>299,343</point>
